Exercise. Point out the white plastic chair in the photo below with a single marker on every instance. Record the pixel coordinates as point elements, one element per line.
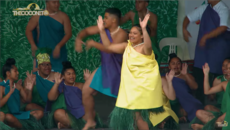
<point>173,42</point>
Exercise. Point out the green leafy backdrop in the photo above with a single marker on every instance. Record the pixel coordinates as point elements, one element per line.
<point>82,14</point>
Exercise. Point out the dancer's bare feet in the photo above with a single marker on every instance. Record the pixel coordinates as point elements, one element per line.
<point>59,125</point>
<point>62,126</point>
<point>197,126</point>
<point>90,125</point>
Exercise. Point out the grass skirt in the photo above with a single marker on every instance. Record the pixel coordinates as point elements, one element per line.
<point>31,124</point>
<point>44,120</point>
<point>124,119</point>
<point>210,125</point>
<point>75,123</point>
<point>27,124</point>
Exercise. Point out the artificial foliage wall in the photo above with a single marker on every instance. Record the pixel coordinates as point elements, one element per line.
<point>82,13</point>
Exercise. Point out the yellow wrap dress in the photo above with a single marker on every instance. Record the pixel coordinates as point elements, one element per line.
<point>140,86</point>
<point>140,90</point>
<point>158,118</point>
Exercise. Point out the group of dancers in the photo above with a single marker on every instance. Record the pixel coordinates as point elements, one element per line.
<point>49,96</point>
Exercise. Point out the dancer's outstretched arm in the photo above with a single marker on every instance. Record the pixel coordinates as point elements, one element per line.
<point>87,32</point>
<point>215,89</point>
<point>54,93</point>
<point>188,77</point>
<point>147,40</point>
<point>118,45</point>
<point>99,46</point>
<point>167,85</point>
<point>84,33</point>
<point>121,36</point>
<point>118,48</point>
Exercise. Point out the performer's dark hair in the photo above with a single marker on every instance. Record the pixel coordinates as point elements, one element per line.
<point>228,58</point>
<point>67,65</point>
<point>139,28</point>
<point>114,11</point>
<point>10,62</point>
<point>144,0</point>
<point>173,55</point>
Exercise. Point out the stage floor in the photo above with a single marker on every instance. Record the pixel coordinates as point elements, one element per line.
<point>104,105</point>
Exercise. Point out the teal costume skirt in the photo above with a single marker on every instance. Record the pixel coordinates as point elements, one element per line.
<point>97,84</point>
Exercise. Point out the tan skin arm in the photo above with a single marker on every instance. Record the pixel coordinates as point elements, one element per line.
<point>53,93</point>
<point>168,89</point>
<point>26,96</point>
<point>186,34</point>
<point>28,92</point>
<point>121,37</point>
<point>67,29</point>
<point>216,32</point>
<point>32,24</point>
<point>185,23</point>
<point>191,81</point>
<point>147,43</point>
<point>128,16</point>
<point>87,32</point>
<point>81,85</point>
<point>121,34</point>
<point>153,24</point>
<point>100,47</point>
<point>92,30</point>
<point>24,86</point>
<point>188,77</point>
<point>118,48</point>
<point>215,89</point>
<point>4,99</point>
<point>215,82</point>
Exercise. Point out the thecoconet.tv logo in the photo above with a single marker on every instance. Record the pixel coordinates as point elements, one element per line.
<point>30,10</point>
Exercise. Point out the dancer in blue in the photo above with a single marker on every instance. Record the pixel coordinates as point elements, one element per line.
<point>106,78</point>
<point>51,31</point>
<point>68,95</point>
<point>213,41</point>
<point>185,105</point>
<point>10,99</point>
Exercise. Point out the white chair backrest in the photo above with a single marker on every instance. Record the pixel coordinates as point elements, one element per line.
<point>182,48</point>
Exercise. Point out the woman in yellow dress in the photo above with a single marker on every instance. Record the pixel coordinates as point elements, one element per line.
<point>140,93</point>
